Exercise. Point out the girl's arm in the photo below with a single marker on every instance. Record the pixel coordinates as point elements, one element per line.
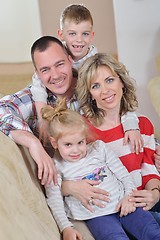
<point>56,204</point>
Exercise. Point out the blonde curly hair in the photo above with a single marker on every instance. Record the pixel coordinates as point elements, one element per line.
<point>88,72</point>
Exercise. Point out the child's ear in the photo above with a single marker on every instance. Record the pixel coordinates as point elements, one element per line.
<point>60,34</point>
<point>53,142</point>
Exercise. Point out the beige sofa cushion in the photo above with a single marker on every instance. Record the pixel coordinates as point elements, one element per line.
<point>24,214</point>
<point>154,92</point>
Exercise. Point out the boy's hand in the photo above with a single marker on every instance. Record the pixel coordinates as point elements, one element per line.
<point>125,207</point>
<point>135,139</point>
<point>70,233</point>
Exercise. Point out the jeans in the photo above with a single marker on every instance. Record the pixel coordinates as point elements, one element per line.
<point>156,212</point>
<point>141,224</point>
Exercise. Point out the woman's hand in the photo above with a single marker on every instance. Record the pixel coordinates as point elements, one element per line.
<point>86,192</point>
<point>144,198</point>
<point>70,233</point>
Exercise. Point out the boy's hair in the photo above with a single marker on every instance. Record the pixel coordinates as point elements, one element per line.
<point>63,120</point>
<point>76,13</point>
<point>88,72</point>
<point>43,43</point>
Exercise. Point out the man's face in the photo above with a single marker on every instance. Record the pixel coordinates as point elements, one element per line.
<point>54,69</point>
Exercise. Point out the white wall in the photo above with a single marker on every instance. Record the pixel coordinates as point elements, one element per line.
<point>19,27</point>
<point>103,18</point>
<point>137,24</point>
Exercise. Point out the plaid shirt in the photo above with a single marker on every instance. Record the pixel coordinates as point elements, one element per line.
<point>18,111</point>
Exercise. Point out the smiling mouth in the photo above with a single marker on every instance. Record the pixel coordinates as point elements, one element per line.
<point>57,82</point>
<point>75,156</point>
<point>109,99</point>
<point>77,46</point>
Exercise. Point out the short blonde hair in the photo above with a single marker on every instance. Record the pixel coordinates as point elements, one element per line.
<point>88,72</point>
<point>76,13</point>
<point>60,118</point>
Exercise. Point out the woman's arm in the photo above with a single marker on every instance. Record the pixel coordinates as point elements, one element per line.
<point>84,191</point>
<point>148,197</point>
<point>157,158</point>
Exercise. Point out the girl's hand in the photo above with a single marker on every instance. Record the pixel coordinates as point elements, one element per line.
<point>144,198</point>
<point>70,233</point>
<point>125,207</point>
<point>86,192</point>
<point>134,138</point>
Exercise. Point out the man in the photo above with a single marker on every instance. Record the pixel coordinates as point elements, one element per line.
<point>18,118</point>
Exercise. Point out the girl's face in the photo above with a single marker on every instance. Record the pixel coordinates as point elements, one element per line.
<point>106,89</point>
<point>72,146</point>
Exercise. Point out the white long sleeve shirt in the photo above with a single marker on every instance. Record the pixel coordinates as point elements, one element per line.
<point>100,163</point>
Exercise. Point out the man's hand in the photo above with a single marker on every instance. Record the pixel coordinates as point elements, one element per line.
<point>46,168</point>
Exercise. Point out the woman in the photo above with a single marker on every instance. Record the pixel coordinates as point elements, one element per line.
<point>105,91</point>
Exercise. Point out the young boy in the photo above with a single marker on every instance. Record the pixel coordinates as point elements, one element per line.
<point>76,32</point>
<point>76,160</point>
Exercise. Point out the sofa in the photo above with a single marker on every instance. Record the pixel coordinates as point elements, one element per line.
<point>24,214</point>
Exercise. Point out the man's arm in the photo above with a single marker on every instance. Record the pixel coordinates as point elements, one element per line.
<point>46,167</point>
<point>17,120</point>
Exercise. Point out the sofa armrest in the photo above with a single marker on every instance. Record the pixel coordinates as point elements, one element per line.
<point>24,213</point>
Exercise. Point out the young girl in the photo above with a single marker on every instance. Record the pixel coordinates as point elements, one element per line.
<point>77,160</point>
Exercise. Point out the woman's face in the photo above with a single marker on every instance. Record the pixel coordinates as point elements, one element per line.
<point>106,89</point>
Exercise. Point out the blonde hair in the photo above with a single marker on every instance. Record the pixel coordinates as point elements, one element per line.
<point>76,13</point>
<point>88,72</point>
<point>61,118</point>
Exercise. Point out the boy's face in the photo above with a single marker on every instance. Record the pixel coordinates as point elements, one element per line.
<point>72,146</point>
<point>54,68</point>
<point>77,37</point>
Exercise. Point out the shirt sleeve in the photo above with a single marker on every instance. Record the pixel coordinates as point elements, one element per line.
<point>38,90</point>
<point>56,204</point>
<point>148,168</point>
<point>15,111</point>
<point>130,121</point>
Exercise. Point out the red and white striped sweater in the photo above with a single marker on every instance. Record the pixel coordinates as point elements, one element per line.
<point>140,166</point>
